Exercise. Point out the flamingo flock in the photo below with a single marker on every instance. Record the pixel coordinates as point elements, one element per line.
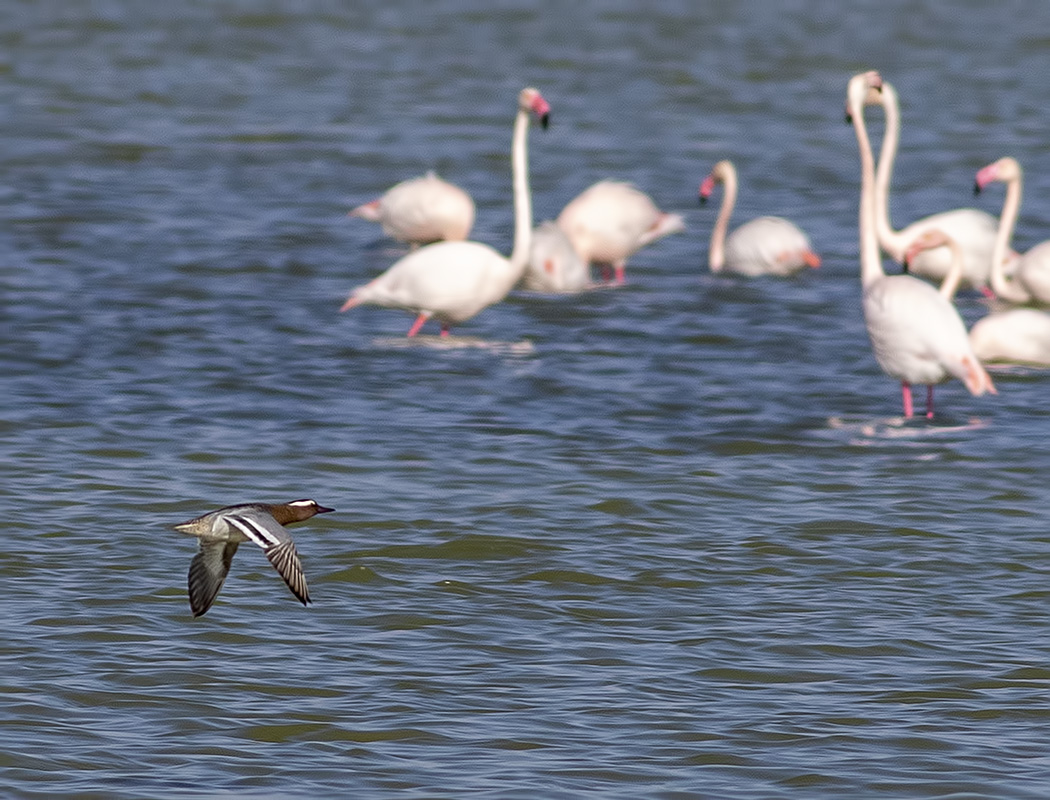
<point>1013,335</point>
<point>916,333</point>
<point>973,229</point>
<point>454,280</point>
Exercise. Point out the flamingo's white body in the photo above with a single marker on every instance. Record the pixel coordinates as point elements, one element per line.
<point>610,221</point>
<point>1031,278</point>
<point>972,228</point>
<point>917,335</point>
<point>762,246</point>
<point>422,210</point>
<point>1016,336</point>
<point>554,265</point>
<point>453,281</point>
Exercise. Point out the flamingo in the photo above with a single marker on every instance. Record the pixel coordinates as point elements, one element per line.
<point>916,333</point>
<point>554,265</point>
<point>453,281</point>
<point>1015,336</point>
<point>762,246</point>
<point>1031,279</point>
<point>972,228</point>
<point>422,210</point>
<point>610,221</point>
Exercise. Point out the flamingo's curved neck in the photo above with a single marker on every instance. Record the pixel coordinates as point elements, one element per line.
<point>1007,290</point>
<point>950,284</point>
<point>870,259</point>
<point>889,239</point>
<point>716,254</point>
<point>519,256</point>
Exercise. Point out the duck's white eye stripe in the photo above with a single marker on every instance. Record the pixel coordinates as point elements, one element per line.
<point>303,503</point>
<point>254,531</point>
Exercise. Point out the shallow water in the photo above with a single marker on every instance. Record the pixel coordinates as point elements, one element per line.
<point>669,540</point>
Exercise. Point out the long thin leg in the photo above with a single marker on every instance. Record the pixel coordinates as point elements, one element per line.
<point>422,318</point>
<point>929,401</point>
<point>445,330</point>
<point>619,271</point>
<point>906,396</point>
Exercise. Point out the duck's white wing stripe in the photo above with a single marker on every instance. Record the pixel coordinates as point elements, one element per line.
<point>277,543</point>
<point>264,534</point>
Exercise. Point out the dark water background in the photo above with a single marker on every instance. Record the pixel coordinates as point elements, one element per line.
<point>663,541</point>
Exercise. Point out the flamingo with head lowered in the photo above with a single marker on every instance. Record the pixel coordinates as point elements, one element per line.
<point>422,210</point>
<point>973,229</point>
<point>762,246</point>
<point>917,335</point>
<point>554,265</point>
<point>453,281</point>
<point>611,221</point>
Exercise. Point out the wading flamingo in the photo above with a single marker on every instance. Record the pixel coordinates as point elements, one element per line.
<point>762,246</point>
<point>610,221</point>
<point>1031,278</point>
<point>422,210</point>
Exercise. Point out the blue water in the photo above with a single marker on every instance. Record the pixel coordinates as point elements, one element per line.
<point>670,540</point>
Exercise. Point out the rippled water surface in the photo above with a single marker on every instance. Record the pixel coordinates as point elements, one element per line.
<point>667,540</point>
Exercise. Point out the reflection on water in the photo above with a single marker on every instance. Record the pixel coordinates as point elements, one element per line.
<point>450,342</point>
<point>898,428</point>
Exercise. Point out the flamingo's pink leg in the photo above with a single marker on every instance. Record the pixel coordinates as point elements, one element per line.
<point>906,396</point>
<point>422,318</point>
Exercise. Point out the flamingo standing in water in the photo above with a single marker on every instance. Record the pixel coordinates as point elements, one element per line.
<point>610,221</point>
<point>917,335</point>
<point>973,229</point>
<point>762,246</point>
<point>422,210</point>
<point>1015,336</point>
<point>453,281</point>
<point>1031,279</point>
<point>554,265</point>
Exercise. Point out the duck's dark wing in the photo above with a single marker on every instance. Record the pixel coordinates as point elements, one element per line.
<point>208,571</point>
<point>278,546</point>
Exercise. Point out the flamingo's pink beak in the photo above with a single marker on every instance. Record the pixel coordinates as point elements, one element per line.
<point>706,187</point>
<point>542,109</point>
<point>984,176</point>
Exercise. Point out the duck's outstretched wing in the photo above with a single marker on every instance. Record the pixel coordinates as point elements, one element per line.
<point>279,548</point>
<point>208,571</point>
